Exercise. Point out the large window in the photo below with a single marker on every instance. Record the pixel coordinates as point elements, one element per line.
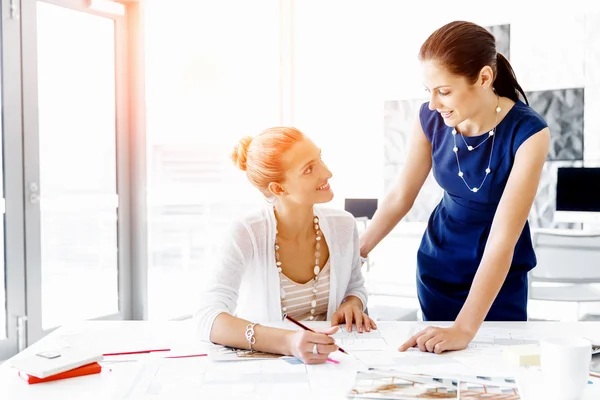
<point>212,75</point>
<point>77,165</point>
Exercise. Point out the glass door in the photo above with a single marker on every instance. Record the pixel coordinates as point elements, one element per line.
<point>76,170</point>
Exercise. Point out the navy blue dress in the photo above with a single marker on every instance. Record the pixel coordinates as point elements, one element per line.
<point>457,231</point>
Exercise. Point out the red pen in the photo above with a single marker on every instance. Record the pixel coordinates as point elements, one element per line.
<point>308,329</point>
<point>134,352</point>
<point>189,355</point>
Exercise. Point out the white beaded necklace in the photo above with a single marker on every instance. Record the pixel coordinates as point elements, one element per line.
<point>488,170</point>
<point>316,270</point>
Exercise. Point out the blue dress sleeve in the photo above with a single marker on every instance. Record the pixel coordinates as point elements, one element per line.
<point>529,124</point>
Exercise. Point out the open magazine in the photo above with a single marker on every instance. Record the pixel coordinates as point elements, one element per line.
<point>388,384</point>
<point>395,385</point>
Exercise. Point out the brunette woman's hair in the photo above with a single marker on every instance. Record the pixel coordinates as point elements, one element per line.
<point>464,48</point>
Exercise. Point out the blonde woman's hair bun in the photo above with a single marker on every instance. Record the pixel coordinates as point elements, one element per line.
<point>240,152</point>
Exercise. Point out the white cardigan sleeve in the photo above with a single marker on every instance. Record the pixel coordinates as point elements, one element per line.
<point>221,294</point>
<point>356,285</point>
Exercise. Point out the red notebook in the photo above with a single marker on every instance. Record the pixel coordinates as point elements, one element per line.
<point>89,369</point>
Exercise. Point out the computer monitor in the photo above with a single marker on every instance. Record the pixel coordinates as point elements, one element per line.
<point>578,195</point>
<point>361,208</point>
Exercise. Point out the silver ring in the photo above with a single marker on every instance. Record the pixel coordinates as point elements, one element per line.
<point>315,350</point>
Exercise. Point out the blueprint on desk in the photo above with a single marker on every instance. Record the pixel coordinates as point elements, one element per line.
<point>353,341</point>
<point>256,379</point>
<point>201,377</point>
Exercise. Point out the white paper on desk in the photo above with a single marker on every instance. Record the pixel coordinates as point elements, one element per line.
<point>197,378</point>
<point>395,334</point>
<point>353,341</point>
<point>221,353</point>
<point>168,378</point>
<point>412,362</point>
<point>375,358</point>
<point>430,364</point>
<point>485,365</point>
<point>256,372</point>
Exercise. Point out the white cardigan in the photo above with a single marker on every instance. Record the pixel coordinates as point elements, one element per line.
<point>245,282</point>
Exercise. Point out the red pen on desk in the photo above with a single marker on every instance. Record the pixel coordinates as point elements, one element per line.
<point>308,329</point>
<point>134,352</point>
<point>188,355</point>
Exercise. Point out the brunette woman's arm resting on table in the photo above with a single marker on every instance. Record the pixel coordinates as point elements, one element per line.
<point>506,229</point>
<point>216,323</point>
<point>507,226</point>
<point>398,202</point>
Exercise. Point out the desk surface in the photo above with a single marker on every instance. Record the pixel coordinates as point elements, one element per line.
<point>332,381</point>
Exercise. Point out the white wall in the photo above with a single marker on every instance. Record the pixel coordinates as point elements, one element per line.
<point>351,56</point>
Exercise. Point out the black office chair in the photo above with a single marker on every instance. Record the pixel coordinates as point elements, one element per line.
<point>362,209</point>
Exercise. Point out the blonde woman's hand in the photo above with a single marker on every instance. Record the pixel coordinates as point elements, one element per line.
<point>312,347</point>
<point>351,311</point>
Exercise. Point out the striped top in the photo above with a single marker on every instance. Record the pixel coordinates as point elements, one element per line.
<point>299,295</point>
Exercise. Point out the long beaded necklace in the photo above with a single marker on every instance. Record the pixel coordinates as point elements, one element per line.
<point>316,270</point>
<point>488,170</point>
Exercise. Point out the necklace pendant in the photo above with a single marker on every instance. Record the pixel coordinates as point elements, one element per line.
<point>491,134</point>
<point>316,269</point>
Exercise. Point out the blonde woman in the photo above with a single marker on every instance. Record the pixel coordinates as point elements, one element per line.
<point>289,257</point>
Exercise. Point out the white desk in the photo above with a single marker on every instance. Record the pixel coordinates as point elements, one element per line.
<point>332,381</point>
